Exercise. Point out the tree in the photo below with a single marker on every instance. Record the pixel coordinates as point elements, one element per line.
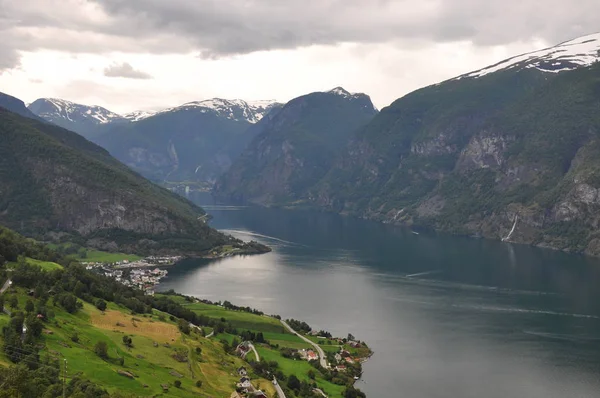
<point>198,350</point>
<point>1,303</point>
<point>177,383</point>
<point>75,338</point>
<point>311,374</point>
<point>127,341</point>
<point>293,383</point>
<point>350,337</point>
<point>199,383</point>
<point>351,392</point>
<point>34,326</point>
<point>184,326</point>
<point>29,307</point>
<point>101,349</point>
<point>101,305</point>
<point>13,301</point>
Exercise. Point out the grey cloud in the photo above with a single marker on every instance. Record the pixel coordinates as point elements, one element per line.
<point>9,58</point>
<point>218,28</point>
<point>224,27</point>
<point>125,70</point>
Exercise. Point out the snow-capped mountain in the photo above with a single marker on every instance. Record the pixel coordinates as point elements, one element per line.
<point>138,115</point>
<point>565,56</point>
<point>239,110</point>
<point>58,110</point>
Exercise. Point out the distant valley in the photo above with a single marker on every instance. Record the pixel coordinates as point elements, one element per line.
<point>192,143</point>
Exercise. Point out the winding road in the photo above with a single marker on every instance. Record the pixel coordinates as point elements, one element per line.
<point>280,392</point>
<point>322,357</point>
<point>255,352</point>
<point>6,285</point>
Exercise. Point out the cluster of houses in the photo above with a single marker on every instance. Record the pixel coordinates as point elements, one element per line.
<point>344,357</point>
<point>141,278</point>
<point>245,387</point>
<point>151,261</point>
<point>308,355</point>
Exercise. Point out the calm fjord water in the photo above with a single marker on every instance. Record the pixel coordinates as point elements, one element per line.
<point>446,316</point>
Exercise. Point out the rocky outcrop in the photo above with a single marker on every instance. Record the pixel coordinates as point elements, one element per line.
<point>484,150</point>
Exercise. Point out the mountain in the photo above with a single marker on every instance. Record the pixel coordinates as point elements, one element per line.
<point>15,105</point>
<point>82,119</point>
<point>53,182</point>
<point>296,147</point>
<point>137,115</point>
<point>194,142</point>
<point>569,55</point>
<point>507,152</point>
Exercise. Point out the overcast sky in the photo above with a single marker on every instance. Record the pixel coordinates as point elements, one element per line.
<point>151,54</point>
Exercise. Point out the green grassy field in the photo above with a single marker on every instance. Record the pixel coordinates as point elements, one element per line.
<point>275,334</point>
<point>106,257</point>
<point>46,265</point>
<point>300,369</point>
<point>95,255</point>
<point>239,319</point>
<point>151,364</point>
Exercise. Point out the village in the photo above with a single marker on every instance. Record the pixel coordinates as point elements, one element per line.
<point>135,274</point>
<point>342,362</point>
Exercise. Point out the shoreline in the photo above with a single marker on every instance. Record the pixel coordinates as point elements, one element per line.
<point>418,228</point>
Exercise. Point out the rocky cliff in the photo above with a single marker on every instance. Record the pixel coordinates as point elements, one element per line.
<point>509,155</point>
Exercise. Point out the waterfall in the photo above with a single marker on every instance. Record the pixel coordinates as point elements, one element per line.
<point>512,230</point>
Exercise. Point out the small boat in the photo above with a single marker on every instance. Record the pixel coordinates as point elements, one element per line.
<point>415,232</point>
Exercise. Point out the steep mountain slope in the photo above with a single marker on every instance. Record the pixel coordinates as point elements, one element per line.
<point>510,147</point>
<point>296,147</point>
<point>16,105</point>
<point>52,179</point>
<point>82,119</point>
<point>196,141</point>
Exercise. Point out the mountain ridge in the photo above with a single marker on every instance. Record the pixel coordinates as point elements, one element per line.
<point>471,155</point>
<point>54,182</point>
<point>296,147</point>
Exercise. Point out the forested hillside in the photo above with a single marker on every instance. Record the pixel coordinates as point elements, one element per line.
<point>479,155</point>
<point>55,181</point>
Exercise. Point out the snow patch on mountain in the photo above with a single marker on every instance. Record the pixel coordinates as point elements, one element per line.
<point>138,115</point>
<point>236,109</point>
<point>569,55</point>
<point>55,108</point>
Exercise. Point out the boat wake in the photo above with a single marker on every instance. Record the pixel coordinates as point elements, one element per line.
<point>441,284</point>
<point>485,308</point>
<point>248,233</point>
<point>222,208</point>
<point>437,271</point>
<point>563,337</point>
